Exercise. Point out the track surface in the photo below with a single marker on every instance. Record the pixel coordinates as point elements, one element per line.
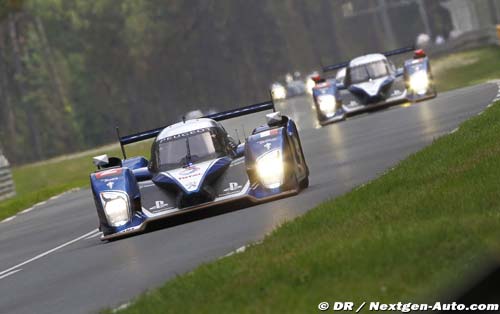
<point>86,275</point>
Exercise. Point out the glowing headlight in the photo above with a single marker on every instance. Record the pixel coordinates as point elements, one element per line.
<point>327,103</point>
<point>279,92</point>
<point>116,208</point>
<point>309,86</point>
<point>419,82</point>
<point>270,169</point>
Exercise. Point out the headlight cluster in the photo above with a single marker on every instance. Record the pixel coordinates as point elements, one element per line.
<point>116,207</point>
<point>419,82</point>
<point>327,104</point>
<point>310,85</point>
<point>279,92</point>
<point>270,169</point>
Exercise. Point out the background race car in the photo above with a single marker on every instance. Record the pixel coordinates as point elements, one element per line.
<point>373,80</point>
<point>327,103</point>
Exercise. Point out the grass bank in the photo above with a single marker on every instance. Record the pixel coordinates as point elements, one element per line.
<point>466,68</point>
<point>401,237</point>
<point>40,181</point>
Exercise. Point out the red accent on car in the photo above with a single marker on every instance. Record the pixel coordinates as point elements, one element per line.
<point>419,53</point>
<point>316,78</point>
<point>108,173</point>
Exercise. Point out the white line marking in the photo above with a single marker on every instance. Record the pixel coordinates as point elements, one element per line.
<point>490,105</point>
<point>40,204</point>
<point>10,273</point>
<point>480,113</point>
<point>453,131</point>
<point>47,253</point>
<point>121,307</point>
<point>27,210</point>
<point>8,219</point>
<point>94,235</point>
<point>241,249</point>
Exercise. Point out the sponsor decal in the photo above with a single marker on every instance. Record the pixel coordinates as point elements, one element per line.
<point>158,205</point>
<point>274,139</point>
<point>268,146</point>
<point>269,133</point>
<point>110,179</point>
<point>233,186</point>
<point>396,92</point>
<point>186,134</point>
<point>110,184</point>
<point>190,177</point>
<point>188,171</point>
<point>108,173</point>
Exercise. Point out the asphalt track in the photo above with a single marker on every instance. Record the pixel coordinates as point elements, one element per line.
<point>52,261</point>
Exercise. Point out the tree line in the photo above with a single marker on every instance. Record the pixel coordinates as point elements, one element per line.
<point>72,70</point>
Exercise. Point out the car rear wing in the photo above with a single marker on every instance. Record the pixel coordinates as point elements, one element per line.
<point>389,53</point>
<point>224,115</point>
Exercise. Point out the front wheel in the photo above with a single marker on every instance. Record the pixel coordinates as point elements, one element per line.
<point>304,183</point>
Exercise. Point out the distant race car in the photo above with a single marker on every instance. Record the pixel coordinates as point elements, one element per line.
<point>196,165</point>
<point>373,80</point>
<point>326,100</point>
<point>418,77</point>
<point>278,91</point>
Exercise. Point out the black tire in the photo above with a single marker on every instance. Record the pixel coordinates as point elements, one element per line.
<point>304,183</point>
<point>105,230</point>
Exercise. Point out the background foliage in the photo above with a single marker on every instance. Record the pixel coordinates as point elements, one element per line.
<point>71,70</point>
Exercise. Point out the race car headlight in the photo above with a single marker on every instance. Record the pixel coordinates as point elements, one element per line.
<point>310,85</point>
<point>279,92</point>
<point>327,103</point>
<point>116,208</point>
<point>270,169</point>
<point>419,82</point>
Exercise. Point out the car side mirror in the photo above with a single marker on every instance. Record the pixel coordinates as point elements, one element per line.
<point>240,150</point>
<point>103,161</point>
<point>100,161</point>
<point>274,118</point>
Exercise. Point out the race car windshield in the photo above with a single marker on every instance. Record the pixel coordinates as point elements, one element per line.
<point>179,151</point>
<point>365,72</point>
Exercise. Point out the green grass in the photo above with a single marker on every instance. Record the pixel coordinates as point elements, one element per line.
<point>466,68</point>
<point>38,182</point>
<point>402,237</point>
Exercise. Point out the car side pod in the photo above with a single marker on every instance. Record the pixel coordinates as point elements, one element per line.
<point>269,158</point>
<point>117,199</point>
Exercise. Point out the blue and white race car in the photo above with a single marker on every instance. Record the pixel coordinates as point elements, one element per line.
<point>196,165</point>
<point>327,102</point>
<point>373,81</point>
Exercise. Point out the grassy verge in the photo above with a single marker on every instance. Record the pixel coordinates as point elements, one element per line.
<point>409,233</point>
<point>40,181</point>
<point>466,68</point>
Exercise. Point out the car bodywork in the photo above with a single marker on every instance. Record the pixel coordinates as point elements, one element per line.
<point>327,103</point>
<point>418,78</point>
<point>195,165</point>
<point>372,81</point>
